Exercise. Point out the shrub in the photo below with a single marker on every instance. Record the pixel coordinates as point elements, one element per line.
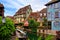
<point>6,29</point>
<point>49,37</point>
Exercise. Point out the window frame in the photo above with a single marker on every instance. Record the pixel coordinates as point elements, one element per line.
<point>56,14</point>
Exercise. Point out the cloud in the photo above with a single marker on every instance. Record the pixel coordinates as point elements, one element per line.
<point>36,5</point>
<point>7,13</point>
<point>11,6</point>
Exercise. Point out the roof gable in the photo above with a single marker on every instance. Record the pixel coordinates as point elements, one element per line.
<point>34,15</point>
<point>23,10</point>
<point>44,10</point>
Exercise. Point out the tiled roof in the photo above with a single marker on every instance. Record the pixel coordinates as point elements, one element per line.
<point>23,10</point>
<point>34,15</point>
<point>37,14</point>
<point>44,10</point>
<point>11,17</point>
<point>51,2</point>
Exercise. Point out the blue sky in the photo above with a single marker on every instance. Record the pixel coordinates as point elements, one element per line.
<point>12,6</point>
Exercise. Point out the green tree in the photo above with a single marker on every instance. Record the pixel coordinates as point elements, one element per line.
<point>33,25</point>
<point>45,24</point>
<point>49,37</point>
<point>0,20</point>
<point>21,24</point>
<point>6,29</point>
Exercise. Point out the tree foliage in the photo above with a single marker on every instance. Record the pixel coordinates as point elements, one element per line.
<point>49,37</point>
<point>33,25</point>
<point>21,24</point>
<point>45,22</point>
<point>0,20</point>
<point>6,29</point>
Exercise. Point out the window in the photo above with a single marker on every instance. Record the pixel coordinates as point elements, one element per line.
<point>56,15</point>
<point>59,14</point>
<point>50,6</point>
<point>44,14</point>
<point>28,11</point>
<point>17,19</point>
<point>22,19</point>
<point>41,14</point>
<point>21,15</point>
<point>57,23</point>
<point>56,5</point>
<point>49,24</point>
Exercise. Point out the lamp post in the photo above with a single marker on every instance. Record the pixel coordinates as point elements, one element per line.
<point>3,20</point>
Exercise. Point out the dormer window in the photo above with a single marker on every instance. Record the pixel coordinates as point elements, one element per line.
<point>56,15</point>
<point>41,14</point>
<point>44,14</point>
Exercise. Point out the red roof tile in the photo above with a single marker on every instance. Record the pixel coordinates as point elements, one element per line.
<point>44,10</point>
<point>23,10</point>
<point>34,15</point>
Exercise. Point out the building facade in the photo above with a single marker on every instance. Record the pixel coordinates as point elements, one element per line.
<point>1,10</point>
<point>53,14</point>
<point>43,14</point>
<point>34,15</point>
<point>39,15</point>
<point>23,13</point>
